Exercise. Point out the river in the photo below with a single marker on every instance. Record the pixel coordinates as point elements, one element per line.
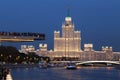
<point>60,73</point>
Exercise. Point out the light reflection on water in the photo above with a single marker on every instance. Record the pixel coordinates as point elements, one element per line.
<point>83,73</point>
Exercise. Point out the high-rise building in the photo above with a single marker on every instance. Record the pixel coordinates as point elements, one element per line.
<point>69,42</point>
<point>67,46</point>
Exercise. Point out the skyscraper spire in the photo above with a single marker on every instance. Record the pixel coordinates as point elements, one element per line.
<point>68,11</point>
<point>68,19</point>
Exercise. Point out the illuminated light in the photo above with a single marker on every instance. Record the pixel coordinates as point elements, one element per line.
<point>106,47</point>
<point>77,31</point>
<point>110,47</point>
<point>43,47</point>
<point>88,45</point>
<point>15,37</point>
<point>68,19</point>
<point>51,50</point>
<point>78,67</point>
<point>56,31</point>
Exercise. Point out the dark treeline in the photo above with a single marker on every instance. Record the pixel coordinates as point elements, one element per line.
<point>9,54</point>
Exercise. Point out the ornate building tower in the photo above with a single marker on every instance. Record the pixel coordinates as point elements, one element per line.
<point>69,43</point>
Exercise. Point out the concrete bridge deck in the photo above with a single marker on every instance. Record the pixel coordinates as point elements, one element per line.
<point>87,62</point>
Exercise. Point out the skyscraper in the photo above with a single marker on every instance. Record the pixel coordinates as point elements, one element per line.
<point>69,43</point>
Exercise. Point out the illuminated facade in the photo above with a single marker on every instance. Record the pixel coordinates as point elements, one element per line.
<point>42,50</point>
<point>26,49</point>
<point>43,47</point>
<point>69,44</point>
<point>88,47</point>
<point>68,47</point>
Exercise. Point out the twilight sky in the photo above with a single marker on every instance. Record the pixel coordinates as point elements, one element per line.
<point>98,20</point>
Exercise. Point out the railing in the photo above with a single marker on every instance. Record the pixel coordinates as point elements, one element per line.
<point>85,62</point>
<point>15,36</point>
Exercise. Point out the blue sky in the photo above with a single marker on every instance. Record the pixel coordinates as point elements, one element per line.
<point>98,20</point>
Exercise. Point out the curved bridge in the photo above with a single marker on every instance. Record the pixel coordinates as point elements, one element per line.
<point>90,62</point>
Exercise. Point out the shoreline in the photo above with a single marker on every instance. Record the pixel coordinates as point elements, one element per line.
<point>20,65</point>
<point>10,66</point>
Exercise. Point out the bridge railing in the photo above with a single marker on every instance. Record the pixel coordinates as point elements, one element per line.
<point>24,35</point>
<point>85,62</point>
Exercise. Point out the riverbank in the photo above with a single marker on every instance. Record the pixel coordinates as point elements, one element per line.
<point>19,65</point>
<point>48,65</point>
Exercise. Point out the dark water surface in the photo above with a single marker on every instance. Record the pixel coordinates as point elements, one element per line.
<point>84,73</point>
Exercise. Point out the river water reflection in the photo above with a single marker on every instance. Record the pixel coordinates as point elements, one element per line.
<point>84,73</point>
